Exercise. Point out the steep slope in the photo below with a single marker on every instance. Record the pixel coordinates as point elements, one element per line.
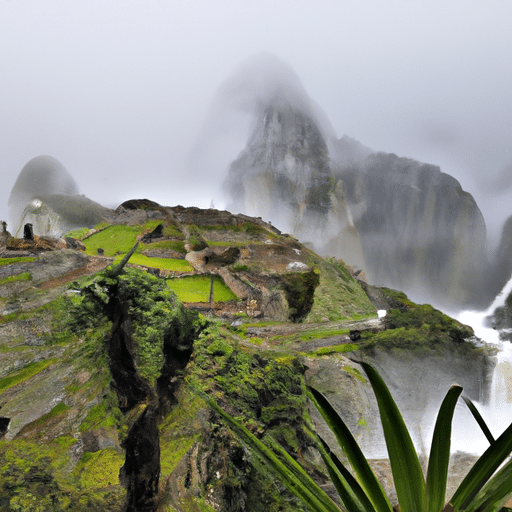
<point>99,370</point>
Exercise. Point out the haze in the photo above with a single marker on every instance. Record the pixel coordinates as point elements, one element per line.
<point>118,92</point>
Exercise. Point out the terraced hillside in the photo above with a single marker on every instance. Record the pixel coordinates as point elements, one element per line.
<point>101,360</point>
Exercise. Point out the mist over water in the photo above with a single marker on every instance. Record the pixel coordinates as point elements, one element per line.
<point>497,412</point>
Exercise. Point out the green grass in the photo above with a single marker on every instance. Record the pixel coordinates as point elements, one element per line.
<point>335,349</point>
<point>114,239</point>
<point>197,289</point>
<point>338,296</point>
<point>24,374</point>
<point>173,245</point>
<point>165,263</point>
<point>9,261</point>
<point>117,240</point>
<point>24,276</point>
<point>78,233</point>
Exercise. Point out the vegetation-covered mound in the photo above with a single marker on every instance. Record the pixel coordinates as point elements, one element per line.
<point>102,367</point>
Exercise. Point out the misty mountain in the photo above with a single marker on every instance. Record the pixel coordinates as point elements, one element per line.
<point>46,196</point>
<point>405,223</point>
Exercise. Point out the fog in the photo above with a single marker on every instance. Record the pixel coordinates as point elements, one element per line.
<point>121,92</point>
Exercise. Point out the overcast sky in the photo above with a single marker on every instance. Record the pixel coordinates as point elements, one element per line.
<point>118,90</point>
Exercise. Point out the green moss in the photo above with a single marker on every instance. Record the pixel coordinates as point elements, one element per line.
<point>24,276</point>
<point>105,414</point>
<point>24,374</point>
<point>419,326</point>
<point>173,450</point>
<point>322,333</point>
<point>336,349</point>
<point>197,289</point>
<point>99,469</point>
<point>354,372</point>
<point>10,261</point>
<point>338,295</point>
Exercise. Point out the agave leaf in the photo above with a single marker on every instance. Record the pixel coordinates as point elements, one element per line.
<point>482,470</point>
<point>405,465</point>
<point>349,490</point>
<point>364,474</point>
<point>439,459</point>
<point>479,419</point>
<point>297,481</point>
<point>495,493</point>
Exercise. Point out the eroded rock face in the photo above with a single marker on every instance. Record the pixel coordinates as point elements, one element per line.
<point>407,224</point>
<point>410,227</point>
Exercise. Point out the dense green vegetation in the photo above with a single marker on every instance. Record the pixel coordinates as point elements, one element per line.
<point>420,326</point>
<point>338,296</point>
<point>258,376</point>
<point>154,310</point>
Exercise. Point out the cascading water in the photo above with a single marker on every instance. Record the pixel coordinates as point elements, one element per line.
<point>497,411</point>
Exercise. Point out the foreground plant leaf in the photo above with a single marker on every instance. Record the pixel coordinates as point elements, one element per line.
<point>483,470</point>
<point>405,465</point>
<point>349,490</point>
<point>437,473</point>
<point>479,419</point>
<point>348,444</point>
<point>291,473</point>
<point>495,493</point>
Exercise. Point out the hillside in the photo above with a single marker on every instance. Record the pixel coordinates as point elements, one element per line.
<point>101,362</point>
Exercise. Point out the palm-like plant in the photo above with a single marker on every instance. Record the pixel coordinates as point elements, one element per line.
<point>485,489</point>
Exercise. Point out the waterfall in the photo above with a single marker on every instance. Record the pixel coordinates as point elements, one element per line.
<point>497,413</point>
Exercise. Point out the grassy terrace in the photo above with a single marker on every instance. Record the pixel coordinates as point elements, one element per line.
<point>117,240</point>
<point>197,289</point>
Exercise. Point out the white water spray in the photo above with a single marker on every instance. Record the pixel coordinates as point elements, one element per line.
<point>497,413</point>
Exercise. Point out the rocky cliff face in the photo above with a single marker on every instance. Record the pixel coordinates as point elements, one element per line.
<point>285,170</point>
<point>407,224</point>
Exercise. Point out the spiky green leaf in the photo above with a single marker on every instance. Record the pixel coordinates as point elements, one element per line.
<point>405,465</point>
<point>478,417</point>
<point>297,481</point>
<point>439,459</point>
<point>348,444</point>
<point>495,493</point>
<point>482,470</point>
<point>349,490</point>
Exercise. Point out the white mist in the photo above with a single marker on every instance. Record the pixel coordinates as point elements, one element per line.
<point>497,413</point>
